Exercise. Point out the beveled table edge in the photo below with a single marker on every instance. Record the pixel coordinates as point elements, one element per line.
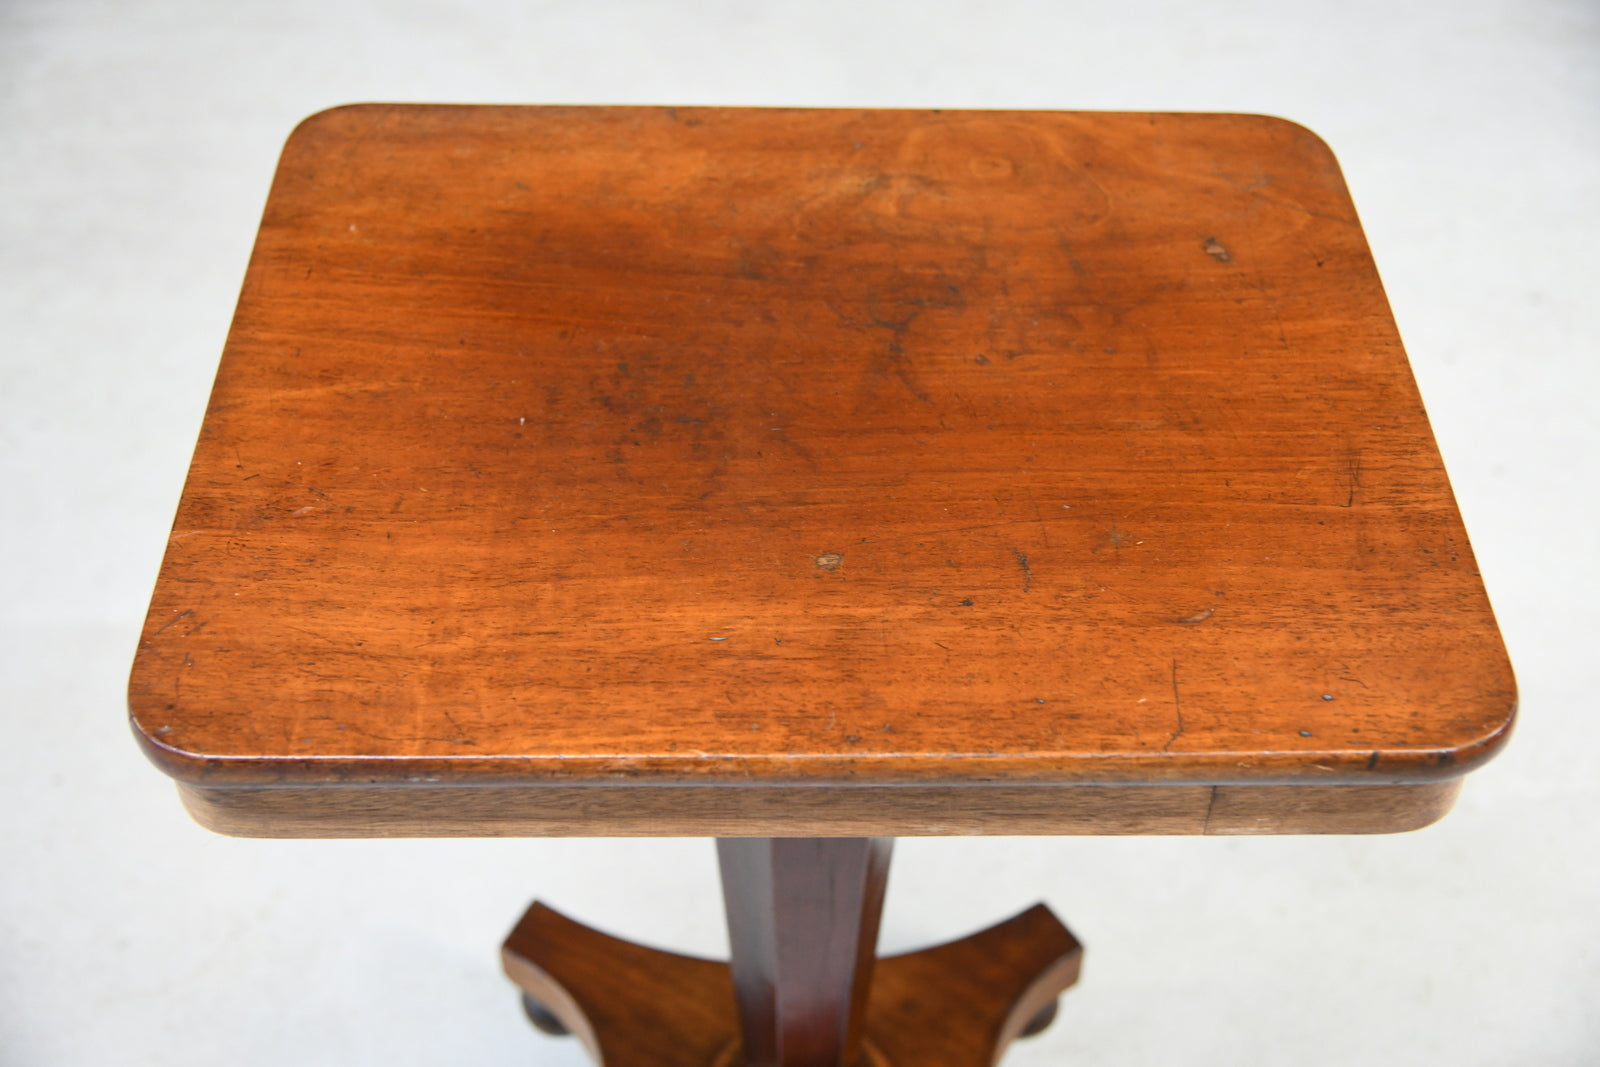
<point>1158,767</point>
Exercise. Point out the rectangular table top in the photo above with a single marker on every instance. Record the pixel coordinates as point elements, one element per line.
<point>654,447</point>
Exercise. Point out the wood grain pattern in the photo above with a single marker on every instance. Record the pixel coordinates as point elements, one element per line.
<point>803,918</point>
<point>818,811</point>
<point>630,1005</point>
<point>960,1004</point>
<point>624,447</point>
<point>954,1005</point>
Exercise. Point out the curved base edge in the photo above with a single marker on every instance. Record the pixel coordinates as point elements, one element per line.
<point>953,1005</point>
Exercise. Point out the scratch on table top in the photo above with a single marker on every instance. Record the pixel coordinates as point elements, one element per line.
<point>1177,709</point>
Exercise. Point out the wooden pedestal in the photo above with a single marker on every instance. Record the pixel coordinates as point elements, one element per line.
<point>804,987</point>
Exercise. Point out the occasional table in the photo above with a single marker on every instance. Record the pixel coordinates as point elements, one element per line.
<point>804,479</point>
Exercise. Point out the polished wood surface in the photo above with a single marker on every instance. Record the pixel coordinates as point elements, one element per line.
<point>803,934</point>
<point>630,1006</point>
<point>825,810</point>
<point>609,448</point>
<point>962,1003</point>
<point>955,1005</point>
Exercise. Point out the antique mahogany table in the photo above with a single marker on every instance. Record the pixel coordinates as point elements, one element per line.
<point>803,479</point>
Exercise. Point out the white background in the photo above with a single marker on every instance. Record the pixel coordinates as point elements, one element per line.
<point>137,140</point>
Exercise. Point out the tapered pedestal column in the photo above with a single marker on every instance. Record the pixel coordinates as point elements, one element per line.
<point>803,988</point>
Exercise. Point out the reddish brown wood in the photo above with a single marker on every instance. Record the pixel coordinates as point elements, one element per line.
<point>762,449</point>
<point>961,1004</point>
<point>705,811</point>
<point>803,930</point>
<point>631,1006</point>
<point>813,810</point>
<point>955,1005</point>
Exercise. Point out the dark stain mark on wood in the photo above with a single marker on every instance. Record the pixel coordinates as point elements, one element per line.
<point>1027,572</point>
<point>1115,539</point>
<point>1352,477</point>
